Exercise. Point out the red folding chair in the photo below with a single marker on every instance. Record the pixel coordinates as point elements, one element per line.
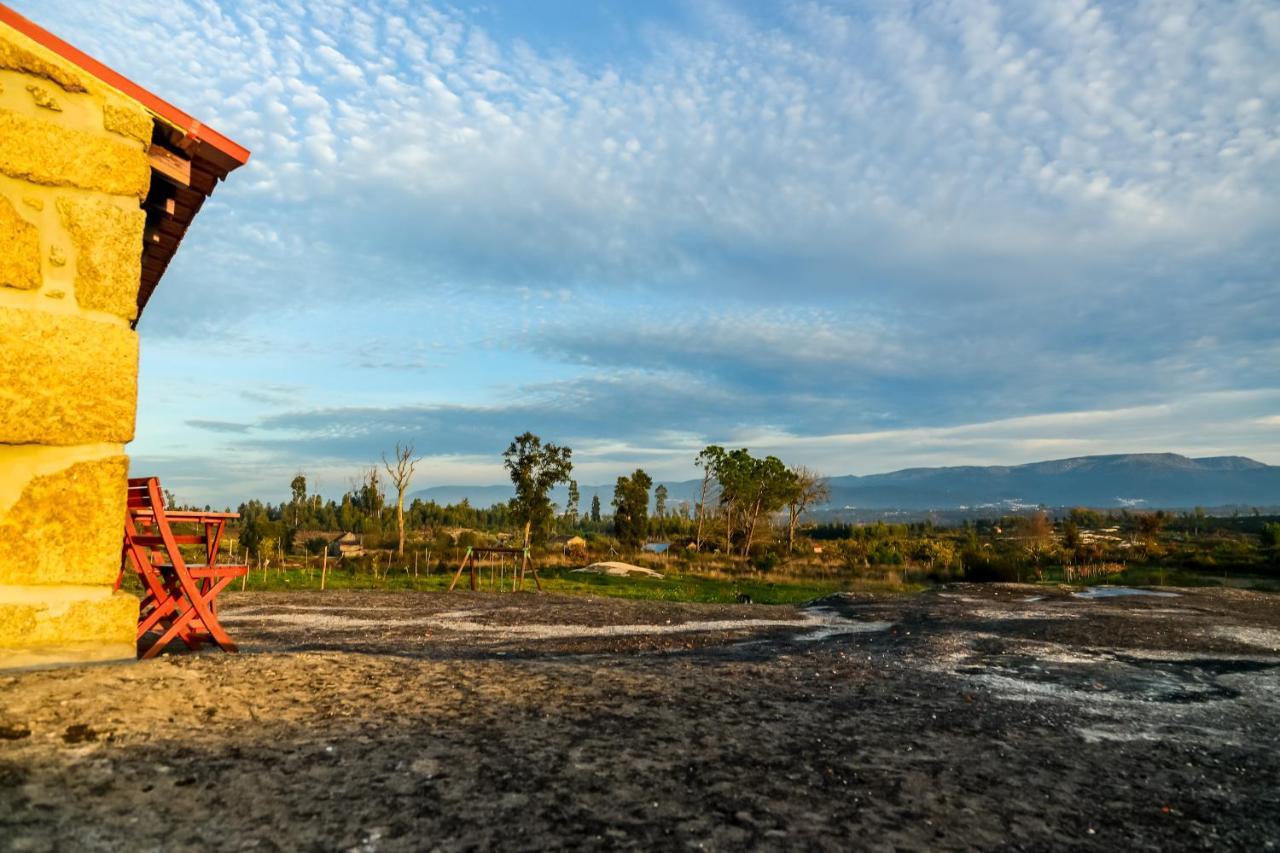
<point>179,599</point>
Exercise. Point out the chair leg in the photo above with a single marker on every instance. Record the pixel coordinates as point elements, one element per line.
<point>188,622</point>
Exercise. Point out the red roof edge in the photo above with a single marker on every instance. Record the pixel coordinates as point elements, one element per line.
<point>184,121</point>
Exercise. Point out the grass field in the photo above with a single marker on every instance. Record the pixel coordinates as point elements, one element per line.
<point>673,586</point>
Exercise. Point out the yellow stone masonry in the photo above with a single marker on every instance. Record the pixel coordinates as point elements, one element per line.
<point>44,153</point>
<point>18,53</point>
<point>73,170</point>
<point>65,528</point>
<point>66,379</point>
<point>20,260</point>
<point>127,122</point>
<point>108,620</point>
<point>108,253</point>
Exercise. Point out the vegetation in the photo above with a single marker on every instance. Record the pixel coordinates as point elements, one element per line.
<point>750,525</point>
<point>631,509</point>
<point>535,469</point>
<point>401,473</point>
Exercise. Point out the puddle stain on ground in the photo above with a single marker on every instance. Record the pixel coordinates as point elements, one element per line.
<point>1121,592</point>
<point>815,623</point>
<point>1122,677</point>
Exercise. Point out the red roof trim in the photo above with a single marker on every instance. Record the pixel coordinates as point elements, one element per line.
<point>188,123</point>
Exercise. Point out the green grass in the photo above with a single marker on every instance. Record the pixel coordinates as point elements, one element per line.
<point>673,586</point>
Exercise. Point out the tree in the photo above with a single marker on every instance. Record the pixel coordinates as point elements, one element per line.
<point>299,489</point>
<point>401,473</point>
<point>707,462</point>
<point>768,483</point>
<point>749,489</point>
<point>535,469</point>
<point>1036,532</point>
<point>368,499</point>
<point>1149,524</point>
<point>660,505</point>
<point>807,489</point>
<point>595,508</point>
<point>631,508</point>
<point>1086,519</point>
<point>571,508</point>
<point>1071,539</point>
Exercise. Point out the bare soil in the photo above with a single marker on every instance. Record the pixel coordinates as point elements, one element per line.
<point>994,717</point>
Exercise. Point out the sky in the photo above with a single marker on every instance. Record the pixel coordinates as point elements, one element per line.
<point>859,235</point>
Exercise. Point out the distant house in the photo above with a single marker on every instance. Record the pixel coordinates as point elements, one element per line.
<point>346,545</point>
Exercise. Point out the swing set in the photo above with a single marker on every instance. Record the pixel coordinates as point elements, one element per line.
<point>498,573</point>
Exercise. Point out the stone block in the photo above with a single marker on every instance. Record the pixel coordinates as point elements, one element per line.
<point>126,121</point>
<point>19,249</point>
<point>108,247</point>
<point>65,379</point>
<point>53,626</point>
<point>44,98</point>
<point>65,527</point>
<point>45,153</point>
<point>17,55</point>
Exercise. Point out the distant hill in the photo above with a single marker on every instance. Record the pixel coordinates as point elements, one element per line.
<point>1134,479</point>
<point>1165,480</point>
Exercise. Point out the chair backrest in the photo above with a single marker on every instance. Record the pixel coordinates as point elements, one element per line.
<point>145,504</point>
<point>139,495</point>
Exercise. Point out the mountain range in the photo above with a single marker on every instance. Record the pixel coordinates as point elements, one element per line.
<point>1164,480</point>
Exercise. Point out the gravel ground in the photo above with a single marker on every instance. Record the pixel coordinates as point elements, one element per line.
<point>994,717</point>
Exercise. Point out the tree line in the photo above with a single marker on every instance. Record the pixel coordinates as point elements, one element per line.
<point>741,497</point>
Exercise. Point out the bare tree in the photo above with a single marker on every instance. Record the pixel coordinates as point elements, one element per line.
<point>808,489</point>
<point>401,473</point>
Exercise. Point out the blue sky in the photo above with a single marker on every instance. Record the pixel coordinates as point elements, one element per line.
<point>863,236</point>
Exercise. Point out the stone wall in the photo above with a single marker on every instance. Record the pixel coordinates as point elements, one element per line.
<point>73,173</point>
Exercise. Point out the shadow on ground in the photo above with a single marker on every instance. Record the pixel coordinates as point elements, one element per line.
<point>965,717</point>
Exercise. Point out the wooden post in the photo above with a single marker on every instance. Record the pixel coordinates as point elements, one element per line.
<point>526,564</point>
<point>458,573</point>
<point>324,567</point>
<point>415,564</point>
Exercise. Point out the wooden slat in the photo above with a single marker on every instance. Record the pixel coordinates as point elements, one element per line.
<point>163,206</point>
<point>170,165</point>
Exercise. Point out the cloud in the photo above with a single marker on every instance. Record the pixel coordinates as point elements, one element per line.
<point>942,145</point>
<point>811,221</point>
<point>217,426</point>
<point>662,428</point>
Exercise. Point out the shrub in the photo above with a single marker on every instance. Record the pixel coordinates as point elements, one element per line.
<point>982,566</point>
<point>766,562</point>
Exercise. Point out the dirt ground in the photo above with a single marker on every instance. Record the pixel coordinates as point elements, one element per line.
<point>994,717</point>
